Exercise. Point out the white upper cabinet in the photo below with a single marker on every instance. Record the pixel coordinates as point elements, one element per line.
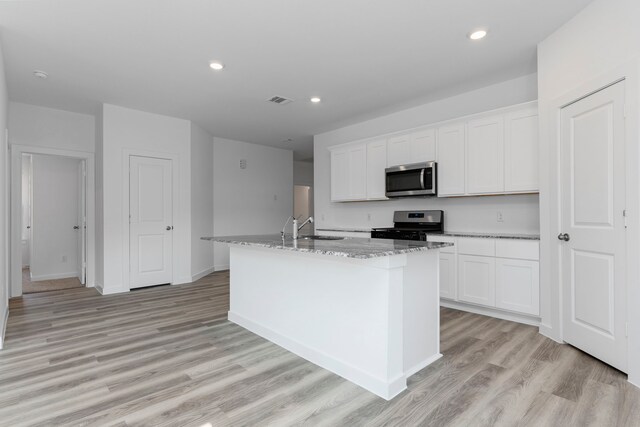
<point>349,173</point>
<point>412,148</point>
<point>376,164</point>
<point>357,173</point>
<point>399,150</point>
<point>494,153</point>
<point>485,155</point>
<point>521,151</point>
<point>423,146</point>
<point>451,164</point>
<point>339,174</point>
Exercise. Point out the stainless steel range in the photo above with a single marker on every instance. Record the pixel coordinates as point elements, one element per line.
<point>412,225</point>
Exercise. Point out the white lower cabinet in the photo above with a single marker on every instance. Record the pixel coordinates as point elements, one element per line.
<point>518,285</point>
<point>496,273</point>
<point>476,279</point>
<point>448,282</point>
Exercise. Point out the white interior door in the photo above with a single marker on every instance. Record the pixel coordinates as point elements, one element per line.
<point>593,203</point>
<point>151,221</point>
<point>82,222</point>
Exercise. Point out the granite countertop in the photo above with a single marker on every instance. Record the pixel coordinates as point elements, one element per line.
<point>360,248</point>
<point>491,235</point>
<point>346,230</point>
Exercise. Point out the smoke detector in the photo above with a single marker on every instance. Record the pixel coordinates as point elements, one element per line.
<point>40,74</point>
<point>279,100</point>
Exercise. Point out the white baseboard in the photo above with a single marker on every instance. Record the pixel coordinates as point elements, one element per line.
<point>111,291</point>
<point>203,273</point>
<point>54,276</point>
<point>420,366</point>
<point>3,326</point>
<point>221,267</point>
<point>385,389</point>
<point>181,280</point>
<point>99,288</point>
<point>549,333</point>
<point>486,311</point>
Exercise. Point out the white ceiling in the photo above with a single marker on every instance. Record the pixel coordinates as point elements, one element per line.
<point>363,57</point>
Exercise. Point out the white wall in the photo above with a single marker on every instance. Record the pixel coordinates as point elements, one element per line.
<point>47,127</point>
<point>255,200</point>
<point>127,131</point>
<point>4,201</point>
<point>599,40</point>
<point>201,201</point>
<point>303,173</point>
<point>55,213</point>
<point>520,212</point>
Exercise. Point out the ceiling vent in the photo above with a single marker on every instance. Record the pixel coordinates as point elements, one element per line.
<point>280,100</point>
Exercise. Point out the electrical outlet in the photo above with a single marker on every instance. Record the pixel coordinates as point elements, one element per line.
<point>499,217</point>
<point>64,258</point>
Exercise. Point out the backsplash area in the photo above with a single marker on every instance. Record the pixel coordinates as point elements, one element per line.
<point>503,214</point>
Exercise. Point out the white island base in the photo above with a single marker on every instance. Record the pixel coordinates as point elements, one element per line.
<point>372,321</point>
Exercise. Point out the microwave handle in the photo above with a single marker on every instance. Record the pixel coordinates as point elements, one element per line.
<point>422,179</point>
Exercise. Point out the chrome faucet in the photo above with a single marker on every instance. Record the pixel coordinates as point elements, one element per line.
<point>296,227</point>
<point>285,226</point>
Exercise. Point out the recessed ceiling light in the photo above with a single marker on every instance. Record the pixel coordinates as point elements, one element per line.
<point>216,66</point>
<point>478,34</point>
<point>315,99</point>
<point>40,74</point>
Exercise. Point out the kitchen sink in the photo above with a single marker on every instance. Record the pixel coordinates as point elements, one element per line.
<point>316,237</point>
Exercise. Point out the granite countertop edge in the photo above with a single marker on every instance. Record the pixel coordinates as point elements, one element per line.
<point>360,247</point>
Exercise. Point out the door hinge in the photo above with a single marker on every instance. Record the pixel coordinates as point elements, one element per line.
<point>624,215</point>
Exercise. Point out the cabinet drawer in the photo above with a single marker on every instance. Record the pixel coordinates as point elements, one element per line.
<point>471,246</point>
<point>518,249</point>
<point>443,239</point>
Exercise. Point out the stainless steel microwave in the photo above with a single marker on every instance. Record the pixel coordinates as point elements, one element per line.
<point>414,180</point>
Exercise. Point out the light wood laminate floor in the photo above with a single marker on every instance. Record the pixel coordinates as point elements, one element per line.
<point>29,287</point>
<point>168,356</point>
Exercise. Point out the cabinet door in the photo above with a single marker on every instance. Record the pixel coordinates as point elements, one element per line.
<point>399,150</point>
<point>477,279</point>
<point>339,175</point>
<point>357,172</point>
<point>451,154</point>
<point>448,283</point>
<point>521,151</point>
<point>423,146</point>
<point>376,163</point>
<point>518,286</point>
<point>485,156</point>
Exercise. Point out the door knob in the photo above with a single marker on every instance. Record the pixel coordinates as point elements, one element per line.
<point>564,236</point>
<point>169,227</point>
<point>75,227</point>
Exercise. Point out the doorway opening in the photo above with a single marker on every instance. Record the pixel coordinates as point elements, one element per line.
<point>53,222</point>
<point>303,205</point>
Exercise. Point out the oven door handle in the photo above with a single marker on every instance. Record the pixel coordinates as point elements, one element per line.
<point>422,179</point>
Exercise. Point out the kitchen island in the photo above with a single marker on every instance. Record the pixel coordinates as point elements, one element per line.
<point>365,309</point>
